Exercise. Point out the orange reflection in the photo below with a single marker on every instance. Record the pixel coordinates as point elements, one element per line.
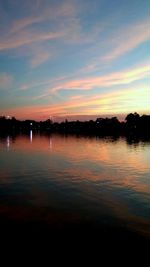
<point>112,158</point>
<point>102,168</point>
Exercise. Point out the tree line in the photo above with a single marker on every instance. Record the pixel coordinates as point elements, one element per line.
<point>134,124</point>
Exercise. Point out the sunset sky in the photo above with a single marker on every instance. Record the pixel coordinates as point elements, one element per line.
<point>74,58</point>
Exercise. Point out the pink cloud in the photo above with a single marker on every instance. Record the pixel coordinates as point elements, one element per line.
<point>128,39</point>
<point>121,102</point>
<point>48,82</point>
<point>40,56</point>
<point>20,34</point>
<point>23,23</point>
<point>116,78</point>
<point>42,12</point>
<point>75,97</point>
<point>26,38</point>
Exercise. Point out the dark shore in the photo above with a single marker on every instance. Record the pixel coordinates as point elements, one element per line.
<point>134,125</point>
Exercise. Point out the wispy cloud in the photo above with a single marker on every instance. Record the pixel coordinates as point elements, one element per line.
<point>6,80</point>
<point>25,31</point>
<point>83,45</point>
<point>40,59</point>
<point>75,97</point>
<point>40,56</point>
<point>43,13</point>
<point>28,86</point>
<point>23,23</point>
<point>116,78</point>
<point>53,86</point>
<point>118,44</point>
<point>121,102</point>
<point>127,39</point>
<point>26,38</point>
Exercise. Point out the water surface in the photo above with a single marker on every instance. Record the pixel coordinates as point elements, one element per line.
<point>63,181</point>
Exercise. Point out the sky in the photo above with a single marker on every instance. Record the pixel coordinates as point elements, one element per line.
<point>74,58</point>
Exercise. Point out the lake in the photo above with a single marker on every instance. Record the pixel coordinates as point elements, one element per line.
<point>56,182</point>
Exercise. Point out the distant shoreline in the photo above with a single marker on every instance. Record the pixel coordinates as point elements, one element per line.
<point>134,125</point>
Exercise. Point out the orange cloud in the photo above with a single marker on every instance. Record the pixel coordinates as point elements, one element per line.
<point>128,100</point>
<point>75,97</point>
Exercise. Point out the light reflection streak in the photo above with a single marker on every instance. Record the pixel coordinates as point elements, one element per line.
<point>31,136</point>
<point>8,142</point>
<point>50,143</point>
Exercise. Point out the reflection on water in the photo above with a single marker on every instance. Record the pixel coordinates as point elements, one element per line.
<point>31,136</point>
<point>71,179</point>
<point>8,142</point>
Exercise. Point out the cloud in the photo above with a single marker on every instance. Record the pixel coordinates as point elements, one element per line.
<point>75,97</point>
<point>28,86</point>
<point>121,102</point>
<point>53,86</point>
<point>40,59</point>
<point>63,20</point>
<point>116,78</point>
<point>40,55</point>
<point>127,39</point>
<point>6,80</point>
<point>122,41</point>
<point>26,38</point>
<point>24,31</point>
<point>23,23</point>
<point>45,14</point>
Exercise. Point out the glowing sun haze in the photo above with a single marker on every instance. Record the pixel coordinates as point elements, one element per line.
<point>74,58</point>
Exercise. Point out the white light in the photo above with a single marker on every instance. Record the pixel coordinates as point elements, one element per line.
<point>31,137</point>
<point>8,117</point>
